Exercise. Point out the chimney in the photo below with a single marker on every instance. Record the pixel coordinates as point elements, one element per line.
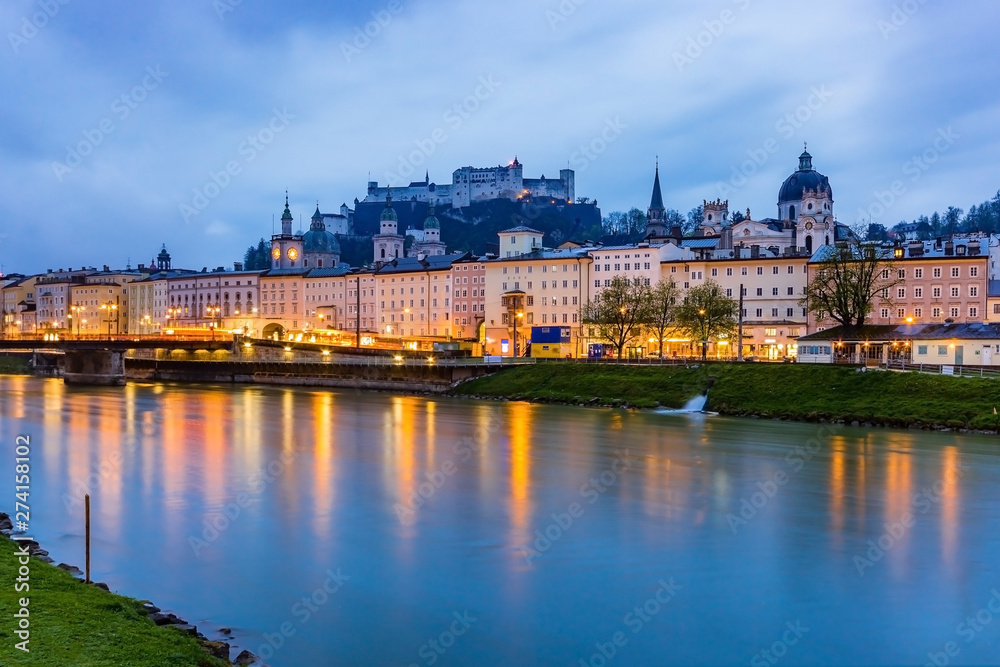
<point>237,266</point>
<point>142,267</point>
<point>949,248</point>
<point>754,252</point>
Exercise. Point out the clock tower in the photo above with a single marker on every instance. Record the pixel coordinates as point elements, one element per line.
<point>286,247</point>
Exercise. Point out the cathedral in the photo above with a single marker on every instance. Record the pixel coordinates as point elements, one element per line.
<point>805,220</point>
<point>315,249</point>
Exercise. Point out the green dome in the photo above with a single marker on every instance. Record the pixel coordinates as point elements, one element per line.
<point>320,241</point>
<point>431,222</point>
<point>388,214</point>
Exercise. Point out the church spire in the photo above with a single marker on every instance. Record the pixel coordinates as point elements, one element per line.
<point>656,202</point>
<point>286,218</point>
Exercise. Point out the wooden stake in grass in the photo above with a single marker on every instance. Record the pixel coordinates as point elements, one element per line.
<point>86,511</point>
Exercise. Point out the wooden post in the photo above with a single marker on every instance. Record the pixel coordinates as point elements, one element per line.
<point>86,505</point>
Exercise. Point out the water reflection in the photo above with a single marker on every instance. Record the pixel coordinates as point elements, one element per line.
<point>323,473</point>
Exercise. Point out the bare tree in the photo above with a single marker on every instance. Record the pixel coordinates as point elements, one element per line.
<point>850,280</point>
<point>618,311</point>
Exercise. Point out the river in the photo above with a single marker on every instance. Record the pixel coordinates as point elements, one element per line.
<point>343,528</point>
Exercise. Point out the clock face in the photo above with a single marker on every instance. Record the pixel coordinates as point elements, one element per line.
<point>293,253</point>
<point>809,225</point>
<point>276,253</point>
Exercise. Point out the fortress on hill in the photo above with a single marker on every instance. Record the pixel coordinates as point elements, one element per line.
<point>470,185</point>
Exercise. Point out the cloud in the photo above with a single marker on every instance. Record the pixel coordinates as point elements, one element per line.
<point>561,80</point>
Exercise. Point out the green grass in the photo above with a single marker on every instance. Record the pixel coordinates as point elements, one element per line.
<point>80,625</point>
<point>13,366</point>
<point>799,392</point>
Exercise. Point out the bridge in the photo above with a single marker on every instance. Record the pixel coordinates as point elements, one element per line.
<point>101,361</point>
<point>121,343</point>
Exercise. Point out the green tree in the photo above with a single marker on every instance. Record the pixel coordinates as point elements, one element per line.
<point>257,258</point>
<point>662,309</point>
<point>618,312</point>
<point>707,313</point>
<point>849,281</point>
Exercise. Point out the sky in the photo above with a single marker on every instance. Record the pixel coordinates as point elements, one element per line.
<point>128,125</point>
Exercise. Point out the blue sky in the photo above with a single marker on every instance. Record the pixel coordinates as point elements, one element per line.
<point>163,97</point>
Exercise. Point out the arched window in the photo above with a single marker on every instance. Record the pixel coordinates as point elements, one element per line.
<point>791,212</point>
<point>225,309</point>
<point>828,239</point>
<point>383,253</point>
<point>249,296</point>
<point>319,263</point>
<point>809,244</point>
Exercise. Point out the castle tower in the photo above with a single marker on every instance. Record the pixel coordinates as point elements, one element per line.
<point>656,216</point>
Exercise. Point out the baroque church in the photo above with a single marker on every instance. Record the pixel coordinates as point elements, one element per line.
<point>804,224</point>
<point>315,249</point>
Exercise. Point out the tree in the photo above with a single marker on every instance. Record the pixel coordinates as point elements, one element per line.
<point>848,282</point>
<point>952,218</point>
<point>876,232</point>
<point>662,309</point>
<point>695,216</point>
<point>618,311</point>
<point>256,258</point>
<point>707,313</point>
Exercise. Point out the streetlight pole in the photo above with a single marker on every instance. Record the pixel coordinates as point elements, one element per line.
<point>739,329</point>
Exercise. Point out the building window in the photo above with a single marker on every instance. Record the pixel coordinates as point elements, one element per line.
<point>973,271</point>
<point>954,292</point>
<point>885,313</point>
<point>937,272</point>
<point>936,292</point>
<point>918,292</point>
<point>954,272</point>
<point>935,312</point>
<point>774,270</point>
<point>901,293</point>
<point>973,311</point>
<point>922,350</point>
<point>900,313</point>
<point>760,291</point>
<point>954,311</point>
<point>918,273</point>
<point>973,291</point>
<point>774,291</point>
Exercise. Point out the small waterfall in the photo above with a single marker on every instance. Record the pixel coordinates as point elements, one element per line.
<point>696,404</point>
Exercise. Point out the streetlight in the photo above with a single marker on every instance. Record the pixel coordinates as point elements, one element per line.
<point>516,318</point>
<point>76,310</point>
<point>145,322</point>
<point>112,309</point>
<point>704,334</point>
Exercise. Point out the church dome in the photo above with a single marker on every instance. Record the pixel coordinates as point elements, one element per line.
<point>431,221</point>
<point>805,178</point>
<point>388,215</point>
<point>320,241</point>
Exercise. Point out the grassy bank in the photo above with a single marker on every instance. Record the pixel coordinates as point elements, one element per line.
<point>799,392</point>
<point>13,366</point>
<point>73,623</point>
